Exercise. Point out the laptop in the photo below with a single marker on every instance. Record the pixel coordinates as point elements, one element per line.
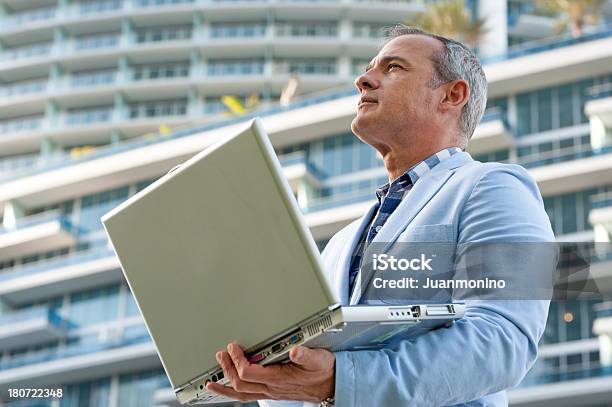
<point>217,250</point>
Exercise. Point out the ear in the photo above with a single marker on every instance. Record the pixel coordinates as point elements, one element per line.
<point>456,95</point>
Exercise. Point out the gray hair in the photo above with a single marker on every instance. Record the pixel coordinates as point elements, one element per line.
<point>455,61</point>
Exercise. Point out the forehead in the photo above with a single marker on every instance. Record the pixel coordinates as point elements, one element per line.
<point>417,49</point>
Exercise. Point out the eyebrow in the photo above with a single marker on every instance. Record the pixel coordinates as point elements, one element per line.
<point>389,59</point>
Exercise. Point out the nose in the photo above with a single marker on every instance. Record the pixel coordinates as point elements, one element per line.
<point>366,81</point>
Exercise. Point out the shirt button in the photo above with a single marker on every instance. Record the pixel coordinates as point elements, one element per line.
<point>377,228</point>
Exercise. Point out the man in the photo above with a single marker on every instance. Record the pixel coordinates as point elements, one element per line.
<point>421,99</point>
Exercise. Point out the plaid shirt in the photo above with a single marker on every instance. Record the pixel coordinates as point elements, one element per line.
<point>389,197</point>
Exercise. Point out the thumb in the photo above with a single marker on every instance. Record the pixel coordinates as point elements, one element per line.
<point>313,359</point>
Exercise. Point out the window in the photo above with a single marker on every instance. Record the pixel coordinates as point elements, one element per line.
<point>96,205</point>
<point>94,306</point>
<point>566,106</point>
<point>138,389</point>
<point>544,109</point>
<point>92,393</point>
<point>523,107</point>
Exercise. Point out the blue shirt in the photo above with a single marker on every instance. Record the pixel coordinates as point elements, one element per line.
<point>389,197</point>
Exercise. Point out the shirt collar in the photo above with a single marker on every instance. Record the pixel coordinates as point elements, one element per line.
<point>412,175</point>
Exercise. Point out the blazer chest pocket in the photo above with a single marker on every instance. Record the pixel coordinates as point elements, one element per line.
<point>428,233</point>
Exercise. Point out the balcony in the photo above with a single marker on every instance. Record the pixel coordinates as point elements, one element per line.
<point>325,216</point>
<point>531,26</point>
<point>35,234</point>
<point>601,214</point>
<point>77,271</point>
<point>572,170</point>
<point>35,325</point>
<point>152,156</point>
<point>599,111</point>
<point>548,62</point>
<point>585,383</point>
<point>298,170</point>
<point>492,134</point>
<point>130,351</point>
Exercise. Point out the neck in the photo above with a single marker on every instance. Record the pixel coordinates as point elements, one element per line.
<point>398,161</point>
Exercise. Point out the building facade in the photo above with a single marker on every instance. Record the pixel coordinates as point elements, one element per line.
<point>100,98</point>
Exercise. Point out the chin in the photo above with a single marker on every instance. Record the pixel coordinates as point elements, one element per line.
<point>359,125</point>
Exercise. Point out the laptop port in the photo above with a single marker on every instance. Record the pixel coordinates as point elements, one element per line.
<point>295,338</point>
<point>220,375</point>
<point>278,347</point>
<point>257,357</point>
<point>214,378</point>
<point>440,310</point>
<point>416,311</point>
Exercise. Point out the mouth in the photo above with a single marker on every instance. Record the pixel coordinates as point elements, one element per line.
<point>366,102</point>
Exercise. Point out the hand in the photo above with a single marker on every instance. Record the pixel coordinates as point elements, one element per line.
<point>310,376</point>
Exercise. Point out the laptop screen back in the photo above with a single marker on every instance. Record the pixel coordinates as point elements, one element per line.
<point>215,251</point>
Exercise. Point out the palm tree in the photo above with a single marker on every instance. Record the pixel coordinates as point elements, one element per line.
<point>575,13</point>
<point>451,18</point>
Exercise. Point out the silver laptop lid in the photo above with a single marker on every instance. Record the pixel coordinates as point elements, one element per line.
<point>217,250</point>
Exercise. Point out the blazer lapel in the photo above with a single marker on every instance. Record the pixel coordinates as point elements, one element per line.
<point>424,189</point>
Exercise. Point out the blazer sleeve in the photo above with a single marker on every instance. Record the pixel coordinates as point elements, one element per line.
<point>494,345</point>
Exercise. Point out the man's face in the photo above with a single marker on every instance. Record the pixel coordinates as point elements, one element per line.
<point>396,99</point>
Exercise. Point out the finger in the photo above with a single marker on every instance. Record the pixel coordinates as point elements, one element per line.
<point>312,359</point>
<point>251,372</point>
<point>238,384</point>
<point>233,394</point>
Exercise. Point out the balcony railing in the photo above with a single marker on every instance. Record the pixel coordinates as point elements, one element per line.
<point>493,114</point>
<point>156,3</point>
<point>34,313</point>
<point>96,41</point>
<point>162,35</point>
<point>158,109</point>
<point>104,77</point>
<point>563,155</point>
<point>99,6</point>
<point>600,91</point>
<point>570,372</point>
<point>30,16</point>
<point>20,125</point>
<point>56,263</point>
<point>29,51</point>
<point>603,309</point>
<point>235,68</point>
<point>299,158</point>
<point>142,142</point>
<point>534,47</point>
<point>23,88</point>
<point>87,116</point>
<point>601,200</point>
<point>581,362</point>
<point>130,337</point>
<point>38,220</point>
<point>304,68</point>
<point>306,30</point>
<point>159,72</point>
<point>334,201</point>
<point>237,30</point>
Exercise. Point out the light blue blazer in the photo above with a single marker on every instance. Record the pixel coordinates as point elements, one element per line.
<point>493,346</point>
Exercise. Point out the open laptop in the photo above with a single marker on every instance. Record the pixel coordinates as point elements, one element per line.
<point>217,251</point>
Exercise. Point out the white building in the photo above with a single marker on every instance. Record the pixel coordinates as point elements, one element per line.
<point>81,82</point>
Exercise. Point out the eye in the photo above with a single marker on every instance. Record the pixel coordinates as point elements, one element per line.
<point>390,66</point>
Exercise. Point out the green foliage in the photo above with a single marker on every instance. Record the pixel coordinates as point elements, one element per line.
<point>572,13</point>
<point>452,19</point>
